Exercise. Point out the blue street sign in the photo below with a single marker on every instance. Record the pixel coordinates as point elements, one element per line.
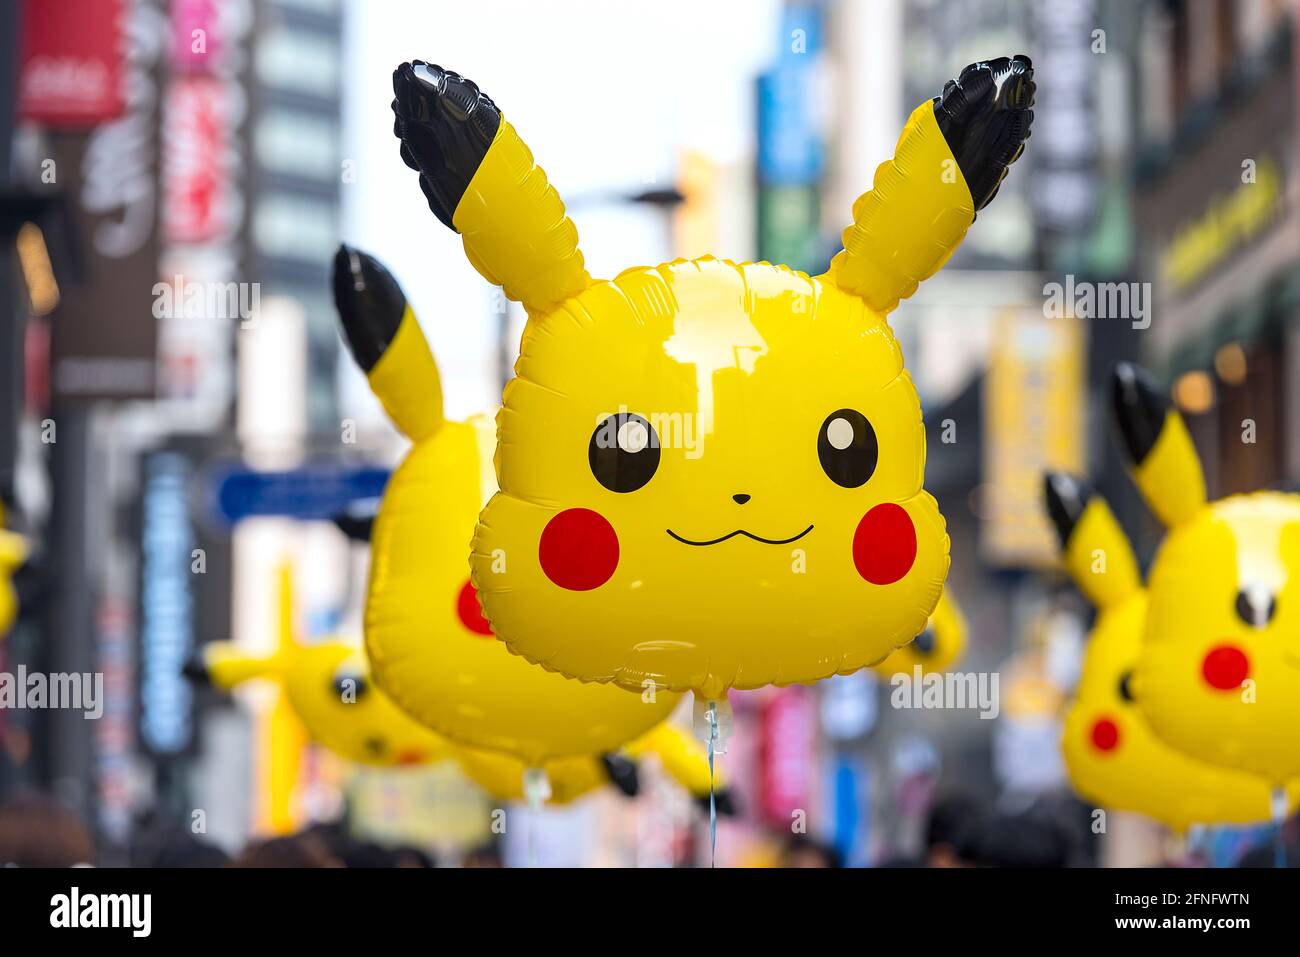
<point>314,491</point>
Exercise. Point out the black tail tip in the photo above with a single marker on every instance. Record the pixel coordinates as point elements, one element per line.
<point>1067,496</point>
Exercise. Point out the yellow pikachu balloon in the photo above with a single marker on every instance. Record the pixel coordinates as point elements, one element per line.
<point>710,472</point>
<point>936,649</point>
<point>1111,754</point>
<point>570,778</point>
<point>426,639</point>
<point>329,688</point>
<point>13,552</point>
<point>1219,673</point>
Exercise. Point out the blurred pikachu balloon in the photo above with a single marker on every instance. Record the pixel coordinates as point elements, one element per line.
<point>936,649</point>
<point>429,647</point>
<point>329,688</point>
<point>569,778</point>
<point>1111,754</point>
<point>1219,673</point>
<point>710,472</point>
<point>13,552</point>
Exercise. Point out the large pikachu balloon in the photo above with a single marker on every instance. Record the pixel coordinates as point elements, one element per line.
<point>710,472</point>
<point>1111,754</point>
<point>1219,674</point>
<point>427,642</point>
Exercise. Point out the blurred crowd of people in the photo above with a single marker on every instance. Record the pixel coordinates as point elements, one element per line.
<point>38,830</point>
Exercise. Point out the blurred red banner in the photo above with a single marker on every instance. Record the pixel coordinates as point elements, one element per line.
<point>70,74</point>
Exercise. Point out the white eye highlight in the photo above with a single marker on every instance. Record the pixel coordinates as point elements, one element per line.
<point>840,433</point>
<point>633,436</point>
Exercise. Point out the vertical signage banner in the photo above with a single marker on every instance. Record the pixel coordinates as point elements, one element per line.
<point>104,333</point>
<point>1034,421</point>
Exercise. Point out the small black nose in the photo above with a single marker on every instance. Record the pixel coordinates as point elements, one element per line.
<point>740,499</point>
<point>1256,606</point>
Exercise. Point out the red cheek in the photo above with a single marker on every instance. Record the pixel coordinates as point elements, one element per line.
<point>1225,667</point>
<point>578,550</point>
<point>471,615</point>
<point>884,546</point>
<point>1105,734</point>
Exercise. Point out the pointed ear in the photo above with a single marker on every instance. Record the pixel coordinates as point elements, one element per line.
<point>1161,455</point>
<point>1094,548</point>
<point>952,156</point>
<point>480,179</point>
<point>385,340</point>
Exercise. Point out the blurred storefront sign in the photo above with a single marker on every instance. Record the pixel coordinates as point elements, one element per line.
<point>1227,223</point>
<point>848,787</point>
<point>72,52</point>
<point>167,606</point>
<point>204,205</point>
<point>1034,421</point>
<point>104,333</point>
<point>849,706</point>
<point>1065,184</point>
<point>201,198</point>
<point>318,491</point>
<point>787,754</point>
<point>793,109</point>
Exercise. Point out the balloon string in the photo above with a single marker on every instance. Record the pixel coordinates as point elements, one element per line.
<point>713,803</point>
<point>1279,826</point>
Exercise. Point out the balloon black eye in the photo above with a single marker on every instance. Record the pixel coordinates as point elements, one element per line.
<point>924,642</point>
<point>846,446</point>
<point>1125,683</point>
<point>349,687</point>
<point>624,452</point>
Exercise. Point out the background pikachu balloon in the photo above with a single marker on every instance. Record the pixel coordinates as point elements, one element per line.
<point>329,688</point>
<point>570,778</point>
<point>13,552</point>
<point>428,644</point>
<point>1111,754</point>
<point>1219,673</point>
<point>710,472</point>
<point>937,648</point>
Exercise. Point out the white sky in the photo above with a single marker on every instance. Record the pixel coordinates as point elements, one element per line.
<point>607,94</point>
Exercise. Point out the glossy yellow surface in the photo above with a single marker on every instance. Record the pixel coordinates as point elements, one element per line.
<point>947,628</point>
<point>1112,756</point>
<point>737,367</point>
<point>1205,563</point>
<point>457,681</point>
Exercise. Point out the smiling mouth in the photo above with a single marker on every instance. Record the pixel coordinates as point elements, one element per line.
<point>741,531</point>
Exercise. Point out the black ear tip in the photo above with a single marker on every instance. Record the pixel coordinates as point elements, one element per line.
<point>1139,406</point>
<point>196,671</point>
<point>1067,496</point>
<point>358,528</point>
<point>622,773</point>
